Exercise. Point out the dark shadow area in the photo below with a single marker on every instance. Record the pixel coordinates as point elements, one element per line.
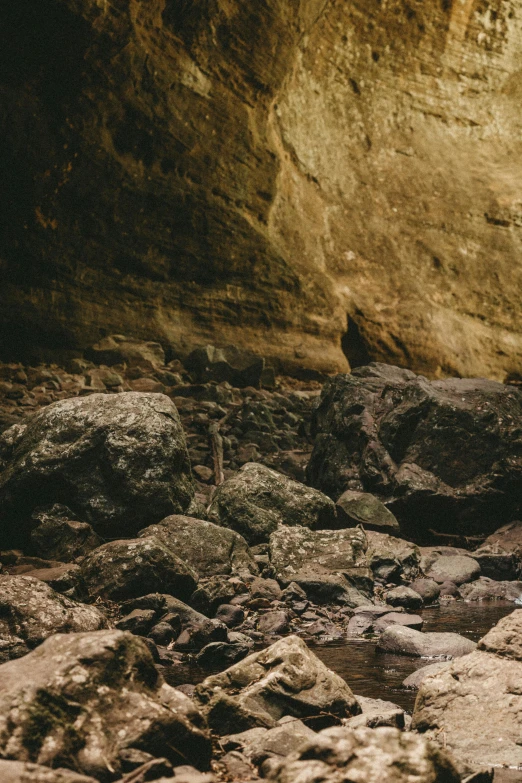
<point>354,345</point>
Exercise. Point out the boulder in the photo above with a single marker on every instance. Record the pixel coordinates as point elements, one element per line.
<point>415,679</point>
<point>391,558</point>
<point>22,772</point>
<point>375,713</point>
<point>214,591</point>
<point>207,548</point>
<point>119,349</point>
<point>428,590</point>
<point>273,623</point>
<point>507,538</point>
<point>135,567</point>
<point>230,615</point>
<point>117,461</point>
<point>266,588</point>
<point>284,679</point>
<point>444,454</point>
<point>82,698</point>
<point>219,655</point>
<point>31,611</point>
<point>383,755</point>
<point>259,744</point>
<point>257,499</point>
<point>361,508</point>
<point>414,621</point>
<point>476,700</point>
<point>495,564</point>
<point>238,367</point>
<point>58,536</point>
<point>401,640</point>
<point>484,589</point>
<point>458,569</point>
<point>403,596</point>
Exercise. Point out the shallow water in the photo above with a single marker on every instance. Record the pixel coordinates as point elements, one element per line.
<point>379,676</point>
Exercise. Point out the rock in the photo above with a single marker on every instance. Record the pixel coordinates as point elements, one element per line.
<point>143,766</point>
<point>139,621</point>
<point>428,590</point>
<point>128,569</point>
<point>484,589</point>
<point>259,744</point>
<point>83,697</point>
<point>218,655</point>
<point>507,538</point>
<point>386,431</point>
<point>361,508</point>
<point>205,547</point>
<point>117,461</point>
<point>22,772</point>
<point>430,554</point>
<point>391,558</point>
<point>403,596</point>
<point>59,537</point>
<point>458,570</point>
<point>30,611</point>
<point>239,368</point>
<point>477,699</point>
<point>118,349</point>
<point>375,713</point>
<point>501,566</point>
<point>386,755</point>
<point>415,679</point>
<point>197,635</point>
<point>257,499</point>
<point>400,640</point>
<point>213,592</point>
<point>293,593</point>
<point>414,621</point>
<point>188,774</point>
<point>266,588</point>
<point>65,578</point>
<point>230,615</point>
<point>238,767</point>
<point>449,589</point>
<point>273,623</point>
<point>285,679</point>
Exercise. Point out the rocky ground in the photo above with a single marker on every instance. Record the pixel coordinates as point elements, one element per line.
<point>156,514</point>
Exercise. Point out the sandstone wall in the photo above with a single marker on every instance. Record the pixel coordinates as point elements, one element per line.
<point>257,173</point>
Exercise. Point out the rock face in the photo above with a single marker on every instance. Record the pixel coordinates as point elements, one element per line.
<point>117,461</point>
<point>257,499</point>
<point>445,455</point>
<point>336,154</point>
<point>485,683</point>
<point>382,754</point>
<point>205,547</point>
<point>80,699</point>
<point>30,611</point>
<point>285,679</point>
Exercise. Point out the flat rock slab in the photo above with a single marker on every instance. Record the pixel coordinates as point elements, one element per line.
<point>406,641</point>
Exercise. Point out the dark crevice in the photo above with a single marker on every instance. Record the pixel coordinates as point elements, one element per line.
<point>354,345</point>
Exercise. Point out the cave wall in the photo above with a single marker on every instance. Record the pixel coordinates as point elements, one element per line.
<point>263,174</point>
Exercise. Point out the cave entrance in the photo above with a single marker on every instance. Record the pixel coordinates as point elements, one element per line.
<point>354,345</point>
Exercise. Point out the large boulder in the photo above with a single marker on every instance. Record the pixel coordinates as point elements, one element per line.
<point>207,548</point>
<point>284,679</point>
<point>444,454</point>
<point>135,567</point>
<point>117,461</point>
<point>391,559</point>
<point>476,700</point>
<point>257,499</point>
<point>30,611</point>
<point>58,536</point>
<point>381,755</point>
<point>330,565</point>
<point>458,569</point>
<point>401,640</point>
<point>81,699</point>
<point>22,772</point>
<point>484,589</point>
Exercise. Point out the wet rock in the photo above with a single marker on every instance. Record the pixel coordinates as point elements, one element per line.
<point>31,611</point>
<point>135,567</point>
<point>285,679</point>
<point>257,499</point>
<point>403,596</point>
<point>22,772</point>
<point>415,679</point>
<point>364,619</point>
<point>361,508</point>
<point>218,655</point>
<point>406,641</point>
<point>391,558</point>
<point>386,755</point>
<point>457,569</point>
<point>119,349</point>
<point>273,623</point>
<point>375,713</point>
<point>259,744</point>
<point>428,589</point>
<point>397,435</point>
<point>477,699</point>
<point>205,547</point>
<point>59,537</point>
<point>484,589</point>
<point>230,615</point>
<point>117,461</point>
<point>84,697</point>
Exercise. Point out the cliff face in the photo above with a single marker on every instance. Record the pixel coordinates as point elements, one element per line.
<point>263,173</point>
